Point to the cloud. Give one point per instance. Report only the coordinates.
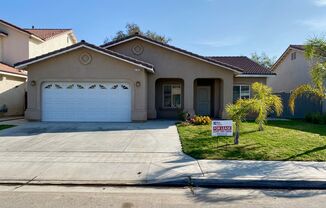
(315, 24)
(223, 42)
(320, 3)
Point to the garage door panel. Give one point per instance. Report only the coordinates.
(70, 101)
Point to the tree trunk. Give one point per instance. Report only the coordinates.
(261, 128)
(237, 134)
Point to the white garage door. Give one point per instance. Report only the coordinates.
(86, 101)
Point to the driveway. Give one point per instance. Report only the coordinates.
(63, 153)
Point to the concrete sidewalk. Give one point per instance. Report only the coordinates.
(263, 174)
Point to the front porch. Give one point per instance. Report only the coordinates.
(204, 96)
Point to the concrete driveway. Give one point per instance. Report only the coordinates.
(81, 153)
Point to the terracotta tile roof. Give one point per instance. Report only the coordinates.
(46, 33)
(299, 47)
(9, 69)
(180, 50)
(150, 67)
(43, 34)
(246, 64)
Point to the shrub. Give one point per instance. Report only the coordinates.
(200, 120)
(183, 116)
(316, 118)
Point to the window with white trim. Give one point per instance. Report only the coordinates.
(293, 56)
(172, 96)
(241, 91)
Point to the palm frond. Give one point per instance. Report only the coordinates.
(305, 89)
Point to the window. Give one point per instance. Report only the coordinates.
(241, 91)
(293, 56)
(172, 96)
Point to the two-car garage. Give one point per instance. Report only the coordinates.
(86, 101)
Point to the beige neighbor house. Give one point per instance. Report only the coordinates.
(17, 44)
(293, 70)
(134, 79)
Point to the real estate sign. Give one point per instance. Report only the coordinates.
(222, 128)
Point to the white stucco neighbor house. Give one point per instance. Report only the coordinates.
(17, 44)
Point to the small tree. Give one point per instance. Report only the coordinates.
(132, 29)
(263, 59)
(264, 102)
(315, 51)
(238, 113)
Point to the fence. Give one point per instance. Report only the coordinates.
(303, 105)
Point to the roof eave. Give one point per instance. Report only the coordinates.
(24, 64)
(13, 74)
(256, 75)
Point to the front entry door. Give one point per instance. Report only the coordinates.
(204, 100)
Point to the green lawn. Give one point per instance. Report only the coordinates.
(5, 127)
(281, 140)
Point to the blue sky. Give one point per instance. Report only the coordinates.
(206, 27)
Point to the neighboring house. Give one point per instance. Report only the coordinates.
(12, 90)
(293, 70)
(134, 79)
(17, 44)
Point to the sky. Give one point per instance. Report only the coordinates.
(205, 27)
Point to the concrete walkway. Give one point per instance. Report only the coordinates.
(133, 153)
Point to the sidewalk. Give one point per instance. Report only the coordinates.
(271, 174)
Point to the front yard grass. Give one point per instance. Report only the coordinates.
(281, 140)
(2, 127)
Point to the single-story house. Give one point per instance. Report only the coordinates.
(134, 79)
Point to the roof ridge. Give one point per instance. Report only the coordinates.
(47, 28)
(240, 56)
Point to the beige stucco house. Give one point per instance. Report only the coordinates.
(134, 79)
(292, 70)
(18, 44)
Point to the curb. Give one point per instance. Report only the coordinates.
(259, 184)
(185, 181)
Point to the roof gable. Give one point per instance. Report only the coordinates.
(83, 44)
(286, 52)
(175, 49)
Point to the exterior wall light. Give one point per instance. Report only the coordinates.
(33, 83)
(138, 84)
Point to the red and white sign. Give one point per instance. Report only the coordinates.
(222, 128)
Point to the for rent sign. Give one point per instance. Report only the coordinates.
(222, 128)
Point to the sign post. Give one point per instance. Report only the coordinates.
(222, 128)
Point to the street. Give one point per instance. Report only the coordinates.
(30, 196)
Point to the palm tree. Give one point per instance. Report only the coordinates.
(315, 51)
(238, 113)
(264, 102)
